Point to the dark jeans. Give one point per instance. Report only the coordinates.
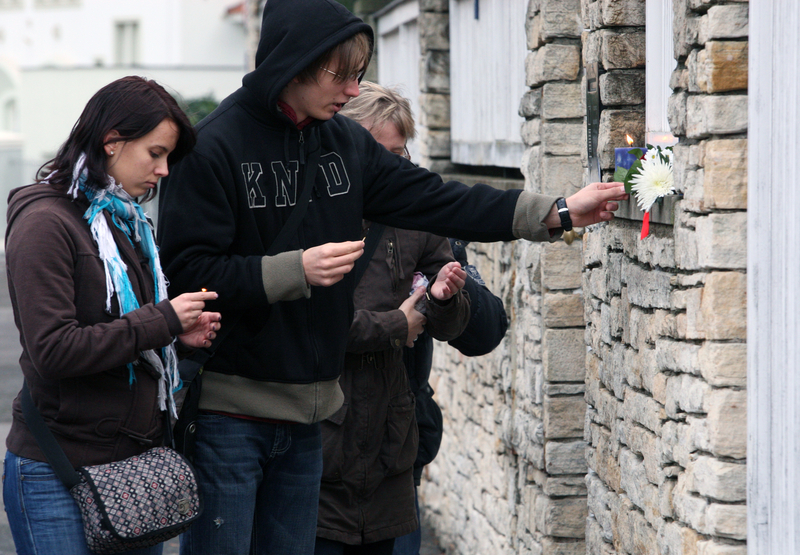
(330, 547)
(410, 544)
(260, 487)
(43, 516)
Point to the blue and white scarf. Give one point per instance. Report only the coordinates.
(129, 217)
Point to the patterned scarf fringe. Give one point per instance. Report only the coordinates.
(128, 216)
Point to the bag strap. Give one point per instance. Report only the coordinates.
(47, 442)
(370, 244)
(191, 366)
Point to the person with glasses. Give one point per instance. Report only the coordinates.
(278, 148)
(370, 444)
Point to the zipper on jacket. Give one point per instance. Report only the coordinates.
(302, 142)
(392, 264)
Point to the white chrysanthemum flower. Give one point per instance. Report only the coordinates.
(653, 182)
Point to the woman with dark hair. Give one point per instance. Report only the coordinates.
(97, 329)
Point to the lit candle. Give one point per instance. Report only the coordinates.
(623, 157)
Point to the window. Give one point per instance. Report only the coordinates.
(660, 64)
(126, 38)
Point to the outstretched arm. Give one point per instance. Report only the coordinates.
(592, 204)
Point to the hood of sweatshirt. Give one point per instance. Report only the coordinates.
(294, 33)
(21, 197)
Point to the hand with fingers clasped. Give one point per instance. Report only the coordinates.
(199, 327)
(327, 264)
(416, 320)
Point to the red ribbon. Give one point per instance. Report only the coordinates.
(645, 225)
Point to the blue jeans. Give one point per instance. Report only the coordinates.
(43, 516)
(260, 487)
(410, 544)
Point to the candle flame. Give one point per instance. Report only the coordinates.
(629, 139)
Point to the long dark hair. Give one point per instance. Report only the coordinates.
(132, 106)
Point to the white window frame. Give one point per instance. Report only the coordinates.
(660, 65)
(399, 66)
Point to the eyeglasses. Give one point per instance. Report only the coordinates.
(406, 154)
(351, 77)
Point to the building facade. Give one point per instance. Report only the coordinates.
(613, 419)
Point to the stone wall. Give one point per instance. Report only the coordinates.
(612, 417)
(510, 477)
(666, 322)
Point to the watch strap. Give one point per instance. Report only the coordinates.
(563, 214)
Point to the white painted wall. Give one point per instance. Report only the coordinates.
(773, 274)
(487, 80)
(81, 33)
(399, 56)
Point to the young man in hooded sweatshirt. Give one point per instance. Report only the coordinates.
(275, 376)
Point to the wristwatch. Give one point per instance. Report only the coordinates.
(563, 213)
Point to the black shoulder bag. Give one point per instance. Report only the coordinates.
(130, 504)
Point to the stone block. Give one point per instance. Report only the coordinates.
(434, 31)
(563, 100)
(676, 116)
(622, 13)
(560, 310)
(561, 266)
(565, 457)
(725, 174)
(435, 71)
(563, 355)
(726, 423)
(441, 6)
(676, 539)
(435, 110)
(723, 364)
(623, 50)
(722, 241)
(724, 22)
(563, 417)
(561, 18)
(725, 66)
(644, 410)
(684, 31)
(564, 518)
(723, 306)
(645, 444)
(551, 546)
(647, 288)
(531, 167)
(562, 138)
(531, 131)
(719, 480)
(533, 30)
(592, 50)
(561, 175)
(713, 547)
(715, 115)
(634, 482)
(553, 62)
(614, 125)
(685, 394)
(727, 521)
(624, 87)
(633, 534)
(677, 356)
(531, 103)
(435, 143)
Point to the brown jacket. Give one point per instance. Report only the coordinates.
(370, 444)
(74, 352)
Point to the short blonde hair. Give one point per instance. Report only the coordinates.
(375, 106)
